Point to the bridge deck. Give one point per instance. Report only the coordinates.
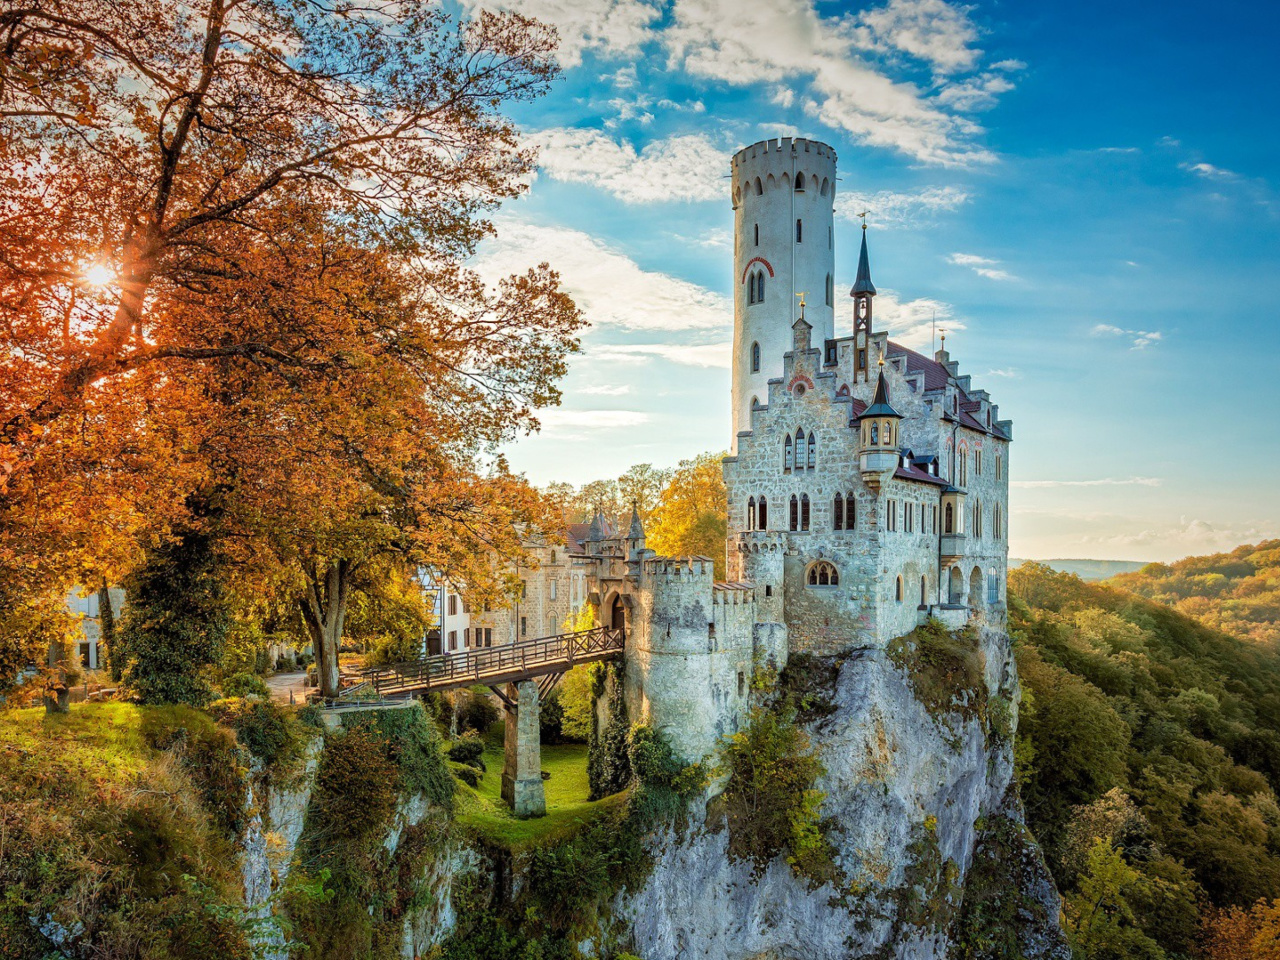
(494, 666)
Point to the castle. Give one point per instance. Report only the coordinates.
(867, 492)
(867, 484)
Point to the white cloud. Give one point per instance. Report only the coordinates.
(585, 424)
(707, 356)
(608, 27)
(1208, 171)
(1141, 339)
(1100, 482)
(915, 323)
(977, 93)
(1190, 536)
(822, 63)
(891, 208)
(929, 30)
(603, 390)
(686, 168)
(982, 266)
(1007, 373)
(611, 288)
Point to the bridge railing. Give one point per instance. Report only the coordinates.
(475, 665)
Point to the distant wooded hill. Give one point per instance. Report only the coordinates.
(1149, 756)
(1086, 569)
(1237, 592)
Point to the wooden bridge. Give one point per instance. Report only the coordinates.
(545, 659)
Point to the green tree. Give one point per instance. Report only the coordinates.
(175, 622)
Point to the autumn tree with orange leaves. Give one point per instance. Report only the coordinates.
(232, 248)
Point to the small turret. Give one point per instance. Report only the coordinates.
(879, 433)
(635, 535)
(595, 533)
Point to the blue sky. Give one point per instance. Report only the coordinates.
(1084, 194)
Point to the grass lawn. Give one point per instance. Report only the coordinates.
(568, 808)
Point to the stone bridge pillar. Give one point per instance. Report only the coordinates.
(522, 765)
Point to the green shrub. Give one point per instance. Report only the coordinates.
(476, 710)
(467, 749)
(415, 747)
(270, 732)
(467, 774)
(770, 805)
(947, 670)
(245, 685)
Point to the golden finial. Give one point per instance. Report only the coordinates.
(801, 295)
(863, 215)
(942, 332)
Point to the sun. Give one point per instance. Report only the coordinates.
(99, 275)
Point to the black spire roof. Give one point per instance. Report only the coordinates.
(880, 403)
(863, 284)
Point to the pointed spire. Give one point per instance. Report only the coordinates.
(637, 528)
(596, 532)
(880, 403)
(862, 283)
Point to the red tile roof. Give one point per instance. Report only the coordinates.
(935, 374)
(915, 473)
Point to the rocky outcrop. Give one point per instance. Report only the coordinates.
(913, 796)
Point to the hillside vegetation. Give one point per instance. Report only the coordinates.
(1237, 592)
(1149, 756)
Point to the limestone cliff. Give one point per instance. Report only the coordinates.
(926, 825)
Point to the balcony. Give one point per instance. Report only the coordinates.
(952, 545)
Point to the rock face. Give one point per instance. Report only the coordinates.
(914, 798)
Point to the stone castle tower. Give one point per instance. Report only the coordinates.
(784, 246)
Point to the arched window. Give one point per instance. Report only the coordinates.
(795, 513)
(837, 513)
(799, 231)
(751, 513)
(964, 466)
(799, 183)
(804, 511)
(755, 357)
(977, 518)
(824, 574)
(762, 513)
(813, 450)
(831, 292)
(897, 591)
(850, 512)
(875, 433)
(800, 449)
(977, 462)
(760, 287)
(759, 188)
(757, 234)
(786, 453)
(949, 520)
(751, 288)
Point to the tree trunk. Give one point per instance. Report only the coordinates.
(107, 632)
(57, 695)
(324, 608)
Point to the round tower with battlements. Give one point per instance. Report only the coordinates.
(784, 245)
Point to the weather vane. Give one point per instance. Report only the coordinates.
(801, 295)
(943, 333)
(863, 215)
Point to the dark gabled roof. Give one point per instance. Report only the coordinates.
(862, 283)
(637, 528)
